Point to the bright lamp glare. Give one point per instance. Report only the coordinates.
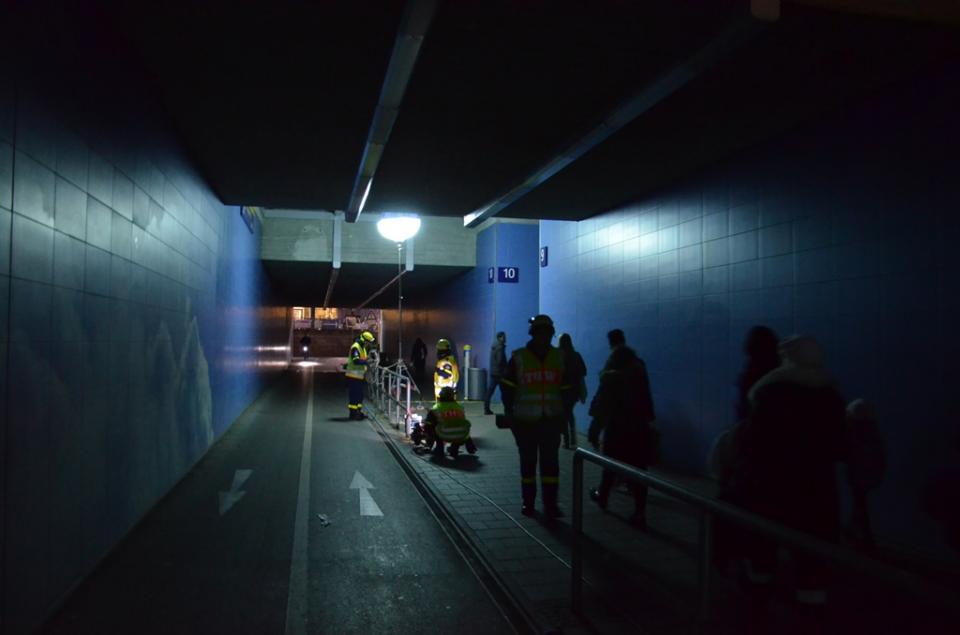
(398, 227)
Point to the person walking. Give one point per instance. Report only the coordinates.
(788, 450)
(533, 387)
(577, 372)
(498, 365)
(623, 411)
(761, 356)
(418, 357)
(356, 372)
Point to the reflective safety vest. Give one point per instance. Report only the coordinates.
(452, 425)
(538, 385)
(446, 374)
(355, 370)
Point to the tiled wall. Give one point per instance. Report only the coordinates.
(516, 303)
(846, 230)
(470, 310)
(131, 308)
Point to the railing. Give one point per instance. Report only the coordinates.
(711, 508)
(393, 389)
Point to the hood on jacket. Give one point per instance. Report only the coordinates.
(802, 363)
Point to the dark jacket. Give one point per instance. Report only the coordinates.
(788, 448)
(760, 348)
(623, 409)
(498, 358)
(576, 372)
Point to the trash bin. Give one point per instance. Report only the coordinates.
(476, 384)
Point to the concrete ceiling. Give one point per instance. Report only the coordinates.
(305, 283)
(275, 99)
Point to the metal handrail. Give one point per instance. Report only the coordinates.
(710, 508)
(399, 392)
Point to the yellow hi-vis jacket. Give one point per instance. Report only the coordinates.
(538, 385)
(357, 361)
(452, 424)
(446, 374)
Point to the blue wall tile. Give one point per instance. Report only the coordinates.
(865, 263)
(99, 430)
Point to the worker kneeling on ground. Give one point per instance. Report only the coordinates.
(356, 370)
(447, 423)
(447, 374)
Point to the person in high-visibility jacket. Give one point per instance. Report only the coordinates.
(447, 374)
(447, 423)
(533, 388)
(356, 371)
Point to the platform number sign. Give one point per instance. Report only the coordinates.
(508, 274)
(544, 256)
(490, 275)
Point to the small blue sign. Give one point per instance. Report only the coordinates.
(543, 256)
(490, 275)
(508, 274)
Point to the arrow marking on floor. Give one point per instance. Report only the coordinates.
(368, 506)
(229, 499)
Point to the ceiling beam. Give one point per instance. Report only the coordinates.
(740, 31)
(413, 28)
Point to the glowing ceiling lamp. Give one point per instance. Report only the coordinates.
(398, 227)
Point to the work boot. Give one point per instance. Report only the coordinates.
(453, 451)
(471, 446)
(360, 415)
(528, 510)
(487, 411)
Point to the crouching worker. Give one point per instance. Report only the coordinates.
(447, 423)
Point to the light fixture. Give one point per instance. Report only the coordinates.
(398, 227)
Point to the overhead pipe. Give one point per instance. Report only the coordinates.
(413, 28)
(373, 297)
(740, 31)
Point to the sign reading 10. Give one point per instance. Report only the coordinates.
(504, 274)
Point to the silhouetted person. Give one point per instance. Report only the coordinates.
(788, 448)
(615, 339)
(498, 366)
(418, 357)
(865, 467)
(760, 348)
(576, 371)
(623, 410)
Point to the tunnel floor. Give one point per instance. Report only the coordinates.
(222, 552)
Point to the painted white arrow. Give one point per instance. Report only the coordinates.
(368, 506)
(229, 499)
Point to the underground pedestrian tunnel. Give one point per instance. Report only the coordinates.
(195, 204)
